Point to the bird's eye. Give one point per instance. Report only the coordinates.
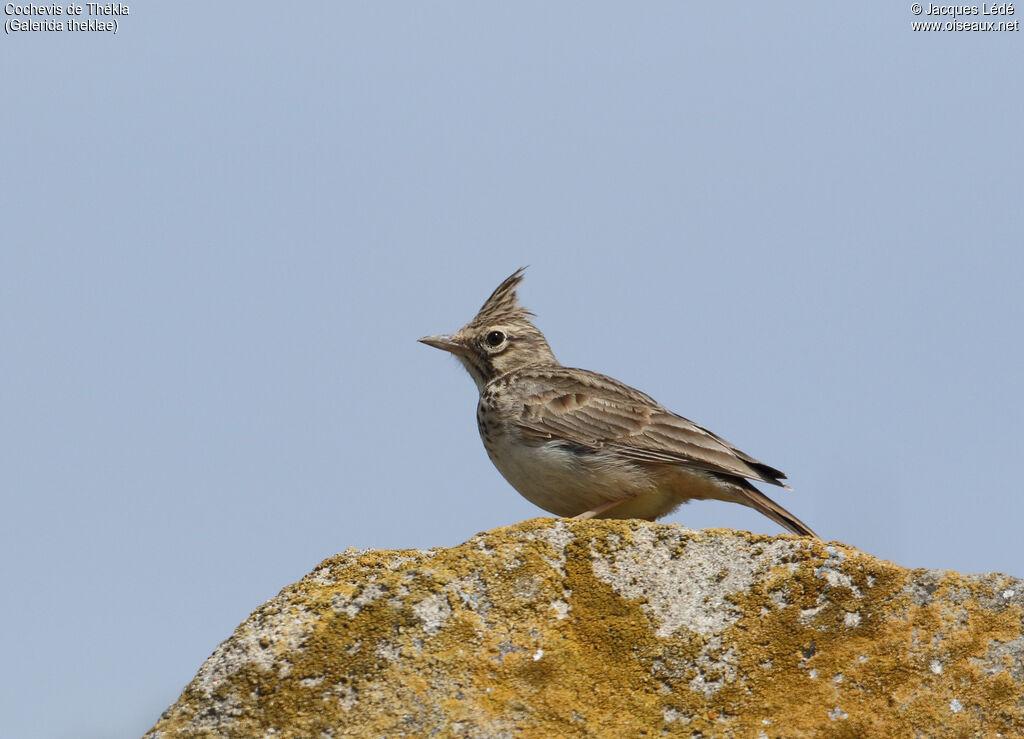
(495, 338)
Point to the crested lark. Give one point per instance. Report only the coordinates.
(577, 443)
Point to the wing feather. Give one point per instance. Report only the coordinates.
(591, 410)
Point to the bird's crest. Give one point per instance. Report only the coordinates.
(503, 305)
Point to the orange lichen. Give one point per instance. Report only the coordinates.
(527, 631)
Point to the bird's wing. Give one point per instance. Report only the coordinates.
(596, 412)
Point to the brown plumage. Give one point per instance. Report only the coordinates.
(578, 443)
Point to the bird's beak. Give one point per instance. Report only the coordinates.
(446, 342)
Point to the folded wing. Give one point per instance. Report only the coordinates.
(594, 411)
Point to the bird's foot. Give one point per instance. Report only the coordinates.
(594, 512)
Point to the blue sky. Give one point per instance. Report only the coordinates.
(226, 226)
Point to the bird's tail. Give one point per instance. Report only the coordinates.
(754, 498)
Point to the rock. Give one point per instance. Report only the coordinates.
(618, 628)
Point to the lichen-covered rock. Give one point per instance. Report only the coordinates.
(618, 628)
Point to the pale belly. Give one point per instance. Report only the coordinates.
(567, 483)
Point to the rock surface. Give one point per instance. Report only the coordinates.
(618, 628)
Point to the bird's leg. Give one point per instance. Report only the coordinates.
(594, 512)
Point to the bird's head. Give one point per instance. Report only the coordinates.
(499, 339)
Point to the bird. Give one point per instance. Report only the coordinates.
(583, 445)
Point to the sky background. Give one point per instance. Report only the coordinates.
(225, 227)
